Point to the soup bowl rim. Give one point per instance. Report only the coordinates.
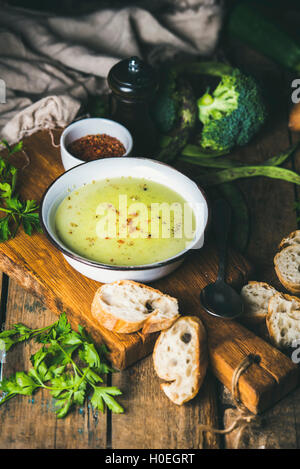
(92, 263)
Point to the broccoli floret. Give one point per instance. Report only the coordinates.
(164, 109)
(164, 112)
(233, 113)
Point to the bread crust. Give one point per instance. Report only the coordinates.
(290, 286)
(260, 318)
(154, 323)
(284, 296)
(150, 324)
(286, 241)
(201, 354)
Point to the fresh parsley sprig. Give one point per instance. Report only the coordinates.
(17, 212)
(68, 364)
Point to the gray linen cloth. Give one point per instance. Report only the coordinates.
(50, 64)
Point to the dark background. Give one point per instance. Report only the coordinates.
(277, 7)
(286, 12)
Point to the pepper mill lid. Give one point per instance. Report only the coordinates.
(133, 79)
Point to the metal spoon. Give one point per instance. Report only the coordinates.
(219, 299)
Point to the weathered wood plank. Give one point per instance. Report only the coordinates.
(270, 201)
(153, 421)
(267, 205)
(271, 204)
(270, 432)
(37, 265)
(293, 401)
(29, 422)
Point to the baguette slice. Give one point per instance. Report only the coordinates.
(287, 267)
(283, 320)
(180, 356)
(293, 239)
(126, 306)
(256, 296)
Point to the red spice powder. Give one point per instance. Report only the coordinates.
(93, 147)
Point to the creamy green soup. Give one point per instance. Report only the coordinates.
(125, 221)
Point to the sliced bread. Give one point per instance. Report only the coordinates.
(287, 267)
(126, 306)
(283, 320)
(256, 296)
(291, 240)
(180, 357)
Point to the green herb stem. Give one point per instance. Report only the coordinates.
(197, 151)
(69, 388)
(75, 367)
(277, 160)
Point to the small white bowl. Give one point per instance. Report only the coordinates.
(115, 168)
(91, 126)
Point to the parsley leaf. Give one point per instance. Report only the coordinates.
(90, 355)
(64, 405)
(57, 366)
(63, 326)
(105, 394)
(14, 149)
(4, 228)
(17, 212)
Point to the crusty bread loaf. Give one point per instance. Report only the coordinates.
(126, 306)
(283, 320)
(180, 357)
(291, 240)
(256, 296)
(287, 267)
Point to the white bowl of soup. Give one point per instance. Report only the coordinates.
(124, 218)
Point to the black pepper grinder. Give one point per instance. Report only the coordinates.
(133, 84)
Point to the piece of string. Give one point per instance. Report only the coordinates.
(52, 139)
(59, 127)
(245, 417)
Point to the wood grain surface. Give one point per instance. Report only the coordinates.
(273, 217)
(29, 421)
(36, 264)
(150, 419)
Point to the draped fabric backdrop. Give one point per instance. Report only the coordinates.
(50, 64)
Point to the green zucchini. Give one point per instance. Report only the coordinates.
(248, 24)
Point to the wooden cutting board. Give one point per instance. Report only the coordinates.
(40, 268)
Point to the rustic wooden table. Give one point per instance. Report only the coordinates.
(150, 420)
